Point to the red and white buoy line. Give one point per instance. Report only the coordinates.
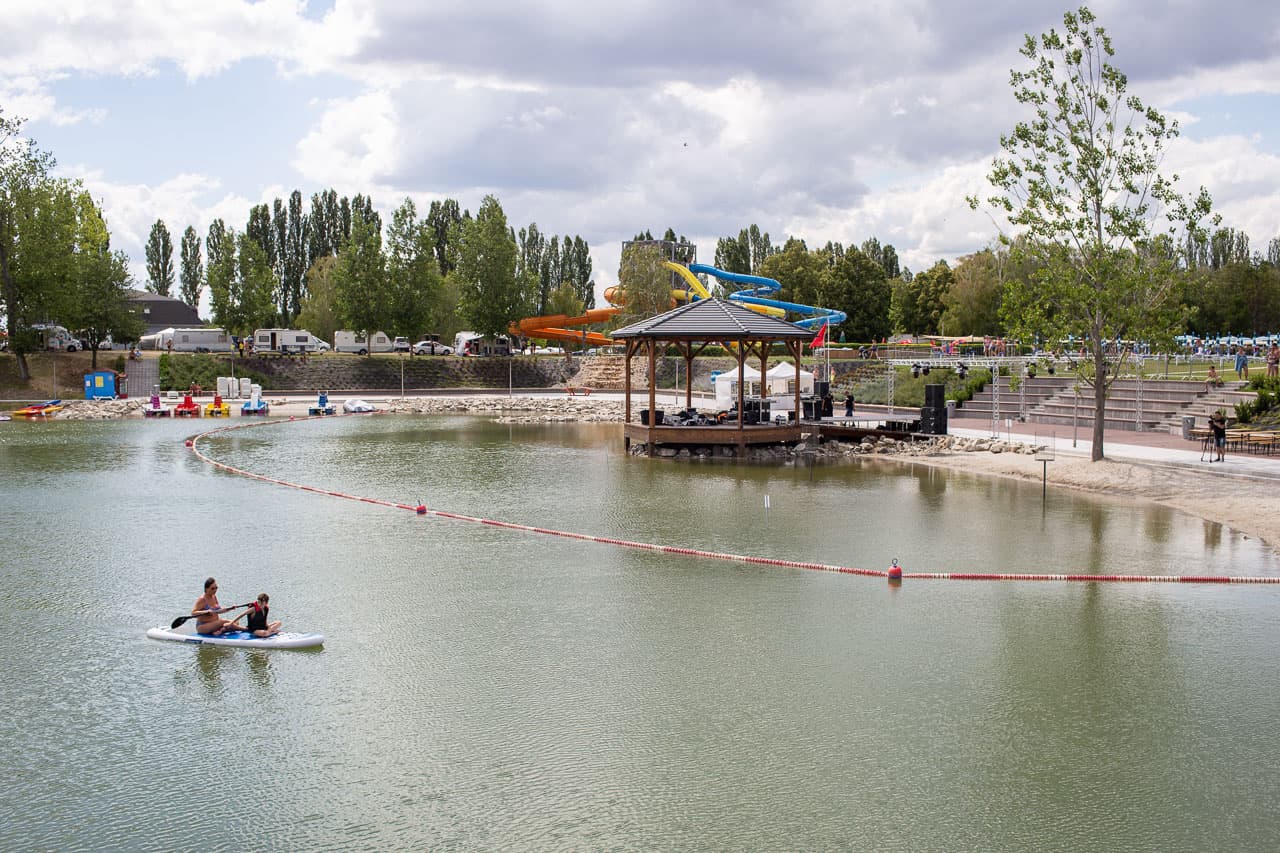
(893, 573)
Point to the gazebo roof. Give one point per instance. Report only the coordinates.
(714, 320)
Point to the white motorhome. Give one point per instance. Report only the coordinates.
(471, 343)
(360, 344)
(56, 337)
(286, 341)
(189, 340)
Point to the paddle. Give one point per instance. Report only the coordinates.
(181, 619)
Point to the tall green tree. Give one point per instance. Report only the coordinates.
(443, 220)
(531, 249)
(220, 271)
(37, 239)
(973, 302)
(644, 280)
(412, 274)
(319, 312)
(294, 261)
(801, 273)
(160, 260)
(254, 287)
(575, 263)
(192, 274)
(744, 253)
(1080, 178)
(489, 292)
(917, 305)
(364, 298)
(857, 286)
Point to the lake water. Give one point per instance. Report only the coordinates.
(483, 688)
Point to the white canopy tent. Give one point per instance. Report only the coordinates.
(780, 385)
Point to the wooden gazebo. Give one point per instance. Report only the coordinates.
(691, 329)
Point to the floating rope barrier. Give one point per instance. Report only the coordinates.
(894, 573)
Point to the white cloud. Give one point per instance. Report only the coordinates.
(821, 120)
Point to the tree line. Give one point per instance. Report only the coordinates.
(336, 265)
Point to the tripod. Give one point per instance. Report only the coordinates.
(1206, 447)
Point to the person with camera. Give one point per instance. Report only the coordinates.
(1218, 429)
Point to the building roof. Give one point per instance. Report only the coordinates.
(161, 312)
(714, 320)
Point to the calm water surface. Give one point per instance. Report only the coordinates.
(490, 689)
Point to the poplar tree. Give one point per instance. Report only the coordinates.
(160, 260)
(489, 293)
(192, 274)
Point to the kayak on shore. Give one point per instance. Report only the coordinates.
(241, 639)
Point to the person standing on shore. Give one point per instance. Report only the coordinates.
(1273, 361)
(1242, 363)
(1218, 427)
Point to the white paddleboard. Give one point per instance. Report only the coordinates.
(242, 639)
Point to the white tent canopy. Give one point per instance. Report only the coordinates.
(780, 378)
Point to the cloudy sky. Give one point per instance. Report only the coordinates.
(825, 119)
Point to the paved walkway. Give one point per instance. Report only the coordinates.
(1158, 448)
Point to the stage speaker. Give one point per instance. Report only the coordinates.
(821, 388)
(934, 397)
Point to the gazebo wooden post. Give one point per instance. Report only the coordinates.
(795, 354)
(626, 401)
(764, 371)
(742, 363)
(653, 390)
(688, 375)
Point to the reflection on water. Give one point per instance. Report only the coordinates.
(486, 688)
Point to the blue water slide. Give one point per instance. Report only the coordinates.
(760, 291)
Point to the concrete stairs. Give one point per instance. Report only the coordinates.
(1157, 405)
(609, 373)
(1206, 404)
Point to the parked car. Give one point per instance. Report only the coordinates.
(432, 348)
(400, 345)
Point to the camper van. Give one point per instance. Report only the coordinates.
(286, 341)
(471, 343)
(359, 344)
(56, 337)
(189, 340)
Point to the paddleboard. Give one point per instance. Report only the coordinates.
(243, 639)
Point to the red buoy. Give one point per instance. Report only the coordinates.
(895, 571)
(189, 442)
(422, 510)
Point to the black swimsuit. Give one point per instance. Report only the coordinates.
(257, 620)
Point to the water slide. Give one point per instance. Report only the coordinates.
(552, 327)
(760, 291)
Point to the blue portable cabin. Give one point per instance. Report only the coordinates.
(100, 385)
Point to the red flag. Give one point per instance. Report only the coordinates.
(820, 338)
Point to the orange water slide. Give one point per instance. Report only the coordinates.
(551, 327)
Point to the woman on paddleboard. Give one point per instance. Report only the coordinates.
(206, 611)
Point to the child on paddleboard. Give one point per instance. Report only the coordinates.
(259, 624)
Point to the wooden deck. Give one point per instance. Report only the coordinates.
(715, 435)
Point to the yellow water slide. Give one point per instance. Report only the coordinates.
(617, 295)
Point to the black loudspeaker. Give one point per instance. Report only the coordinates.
(934, 398)
(821, 388)
(933, 421)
